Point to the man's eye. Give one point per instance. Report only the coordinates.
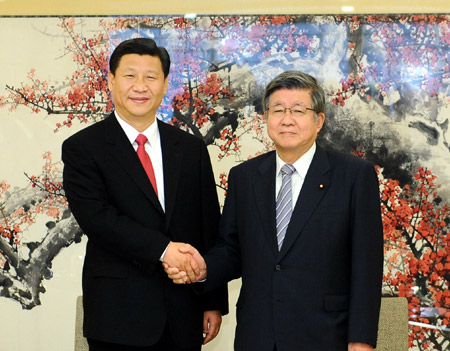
(278, 110)
(297, 112)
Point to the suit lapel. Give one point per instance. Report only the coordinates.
(314, 187)
(264, 190)
(123, 152)
(172, 156)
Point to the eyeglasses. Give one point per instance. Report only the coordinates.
(296, 111)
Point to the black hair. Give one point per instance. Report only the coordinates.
(140, 46)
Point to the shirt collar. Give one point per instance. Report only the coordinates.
(301, 165)
(152, 132)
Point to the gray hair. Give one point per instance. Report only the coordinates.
(296, 80)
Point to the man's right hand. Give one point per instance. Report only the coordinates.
(192, 271)
(183, 263)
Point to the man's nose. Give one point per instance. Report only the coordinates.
(140, 84)
(288, 118)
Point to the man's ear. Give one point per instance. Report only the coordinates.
(320, 121)
(166, 84)
(110, 81)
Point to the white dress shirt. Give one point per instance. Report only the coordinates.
(301, 168)
(153, 148)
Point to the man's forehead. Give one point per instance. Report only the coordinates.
(128, 59)
(298, 94)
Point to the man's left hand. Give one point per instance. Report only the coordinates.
(211, 325)
(359, 346)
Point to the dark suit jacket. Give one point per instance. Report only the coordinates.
(322, 290)
(127, 297)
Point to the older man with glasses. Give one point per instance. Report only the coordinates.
(302, 227)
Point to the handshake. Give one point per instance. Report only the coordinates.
(183, 263)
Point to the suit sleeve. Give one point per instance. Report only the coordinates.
(367, 257)
(217, 299)
(224, 259)
(89, 200)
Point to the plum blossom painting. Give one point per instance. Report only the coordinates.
(387, 80)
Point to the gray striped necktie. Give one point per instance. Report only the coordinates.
(284, 203)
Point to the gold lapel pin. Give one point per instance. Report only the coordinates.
(321, 186)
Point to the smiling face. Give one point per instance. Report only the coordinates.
(293, 136)
(138, 87)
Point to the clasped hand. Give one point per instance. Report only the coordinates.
(183, 263)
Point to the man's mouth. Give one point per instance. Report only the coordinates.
(139, 100)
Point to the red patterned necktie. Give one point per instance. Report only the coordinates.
(145, 160)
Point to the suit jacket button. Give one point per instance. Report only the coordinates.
(278, 267)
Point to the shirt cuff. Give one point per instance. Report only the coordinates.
(163, 254)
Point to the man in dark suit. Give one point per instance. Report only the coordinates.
(138, 209)
(302, 227)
